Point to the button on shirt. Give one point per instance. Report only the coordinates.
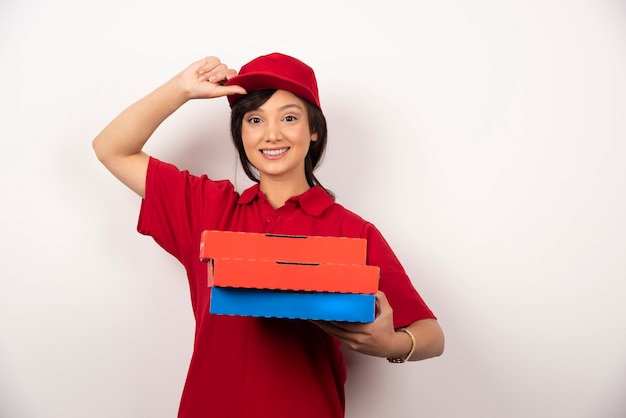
(260, 367)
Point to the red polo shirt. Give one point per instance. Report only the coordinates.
(260, 367)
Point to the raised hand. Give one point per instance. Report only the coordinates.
(206, 78)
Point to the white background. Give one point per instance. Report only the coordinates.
(485, 139)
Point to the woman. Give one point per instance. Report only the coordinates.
(262, 367)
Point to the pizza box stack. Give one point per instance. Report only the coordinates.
(288, 276)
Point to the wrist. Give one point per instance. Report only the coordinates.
(178, 89)
(402, 358)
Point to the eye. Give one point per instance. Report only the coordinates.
(290, 118)
(254, 120)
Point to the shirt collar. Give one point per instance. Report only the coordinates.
(314, 201)
(249, 194)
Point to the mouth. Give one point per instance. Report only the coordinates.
(274, 152)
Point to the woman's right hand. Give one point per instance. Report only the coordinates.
(205, 79)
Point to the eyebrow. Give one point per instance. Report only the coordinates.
(287, 106)
(284, 107)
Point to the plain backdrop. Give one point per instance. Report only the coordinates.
(485, 139)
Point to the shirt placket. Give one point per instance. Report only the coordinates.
(274, 217)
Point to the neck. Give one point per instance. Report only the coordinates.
(278, 192)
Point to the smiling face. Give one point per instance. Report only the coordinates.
(276, 138)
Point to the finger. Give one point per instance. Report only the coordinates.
(215, 71)
(382, 303)
(214, 74)
(222, 76)
(229, 90)
(347, 326)
(325, 325)
(208, 64)
(332, 328)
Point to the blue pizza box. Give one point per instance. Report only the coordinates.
(322, 306)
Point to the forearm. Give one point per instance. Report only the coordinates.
(429, 341)
(119, 145)
(127, 134)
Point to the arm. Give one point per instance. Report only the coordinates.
(119, 145)
(379, 338)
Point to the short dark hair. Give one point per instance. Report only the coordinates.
(317, 124)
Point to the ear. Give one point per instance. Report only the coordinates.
(314, 137)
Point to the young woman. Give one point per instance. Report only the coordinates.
(262, 367)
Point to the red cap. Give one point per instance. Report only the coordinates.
(277, 71)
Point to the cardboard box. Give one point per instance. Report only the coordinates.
(285, 276)
(285, 248)
(341, 278)
(295, 305)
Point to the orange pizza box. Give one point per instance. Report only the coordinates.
(263, 274)
(282, 248)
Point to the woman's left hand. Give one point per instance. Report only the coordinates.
(374, 338)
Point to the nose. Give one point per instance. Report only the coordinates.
(273, 132)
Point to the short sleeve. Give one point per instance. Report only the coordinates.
(408, 306)
(177, 206)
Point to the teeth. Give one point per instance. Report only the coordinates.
(274, 151)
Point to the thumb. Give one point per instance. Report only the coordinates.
(229, 90)
(382, 304)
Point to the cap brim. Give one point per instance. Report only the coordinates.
(261, 81)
